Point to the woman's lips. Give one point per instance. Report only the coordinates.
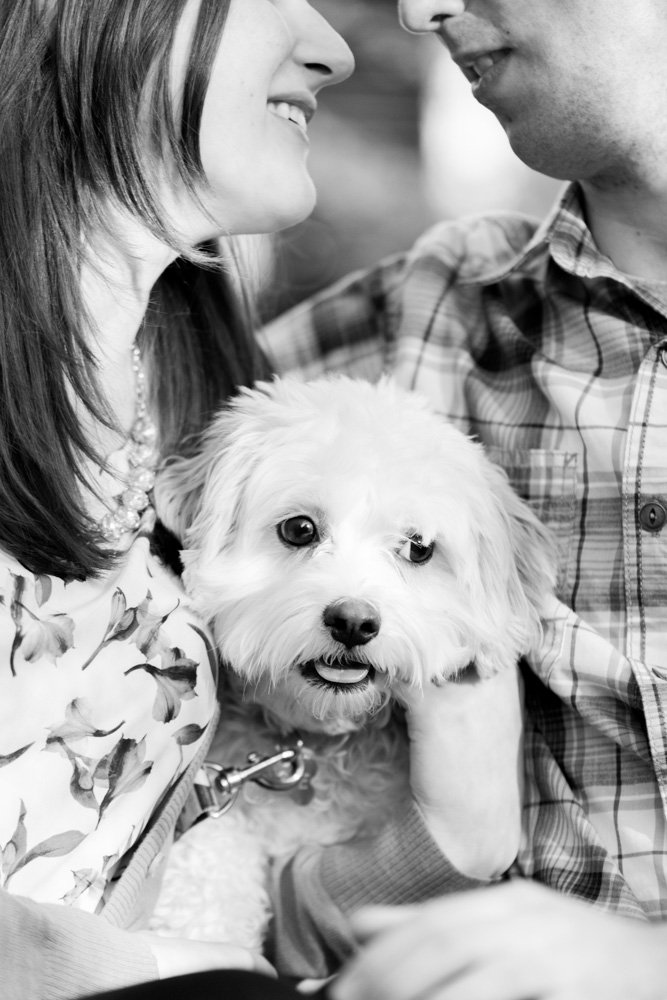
(297, 108)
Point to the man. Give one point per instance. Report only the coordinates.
(550, 344)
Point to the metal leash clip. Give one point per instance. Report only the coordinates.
(289, 769)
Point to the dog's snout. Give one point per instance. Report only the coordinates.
(352, 622)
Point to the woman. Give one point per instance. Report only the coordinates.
(134, 133)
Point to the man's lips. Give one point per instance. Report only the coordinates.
(475, 65)
(339, 673)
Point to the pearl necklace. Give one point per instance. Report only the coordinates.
(143, 458)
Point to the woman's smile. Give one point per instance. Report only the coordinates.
(274, 57)
(297, 109)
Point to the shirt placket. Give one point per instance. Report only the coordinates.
(645, 513)
(645, 550)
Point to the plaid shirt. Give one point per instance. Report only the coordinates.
(530, 339)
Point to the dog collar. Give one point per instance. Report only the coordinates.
(216, 787)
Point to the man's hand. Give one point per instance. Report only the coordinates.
(466, 768)
(179, 956)
(518, 941)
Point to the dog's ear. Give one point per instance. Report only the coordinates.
(516, 573)
(197, 497)
(177, 492)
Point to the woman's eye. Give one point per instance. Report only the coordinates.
(414, 550)
(298, 531)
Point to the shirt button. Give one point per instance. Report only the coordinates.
(652, 516)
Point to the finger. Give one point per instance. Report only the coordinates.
(373, 920)
(406, 962)
(199, 956)
(492, 982)
(227, 956)
(263, 966)
(438, 943)
(431, 970)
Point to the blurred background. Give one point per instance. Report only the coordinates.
(399, 146)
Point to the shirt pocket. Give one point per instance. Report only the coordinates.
(547, 481)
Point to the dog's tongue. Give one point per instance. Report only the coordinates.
(341, 675)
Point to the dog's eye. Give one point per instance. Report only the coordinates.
(298, 531)
(414, 550)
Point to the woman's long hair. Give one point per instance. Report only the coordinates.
(81, 84)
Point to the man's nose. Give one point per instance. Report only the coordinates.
(428, 15)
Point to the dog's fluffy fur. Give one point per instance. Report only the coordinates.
(380, 478)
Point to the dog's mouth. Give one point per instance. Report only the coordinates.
(343, 675)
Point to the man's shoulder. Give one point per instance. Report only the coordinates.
(475, 248)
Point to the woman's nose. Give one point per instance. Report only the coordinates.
(428, 15)
(323, 51)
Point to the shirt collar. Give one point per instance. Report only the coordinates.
(563, 235)
(565, 238)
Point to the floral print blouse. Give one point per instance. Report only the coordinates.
(106, 690)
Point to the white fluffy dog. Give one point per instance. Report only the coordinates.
(344, 542)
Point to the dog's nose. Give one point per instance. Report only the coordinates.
(352, 622)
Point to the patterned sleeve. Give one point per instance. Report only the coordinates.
(49, 951)
(349, 327)
(52, 952)
(98, 679)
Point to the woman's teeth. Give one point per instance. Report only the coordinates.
(290, 112)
